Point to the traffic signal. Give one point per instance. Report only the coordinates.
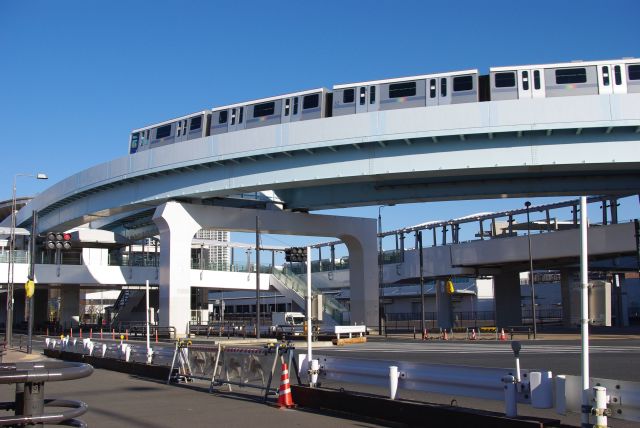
(58, 241)
(449, 287)
(295, 254)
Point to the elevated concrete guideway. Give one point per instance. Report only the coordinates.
(533, 147)
(536, 147)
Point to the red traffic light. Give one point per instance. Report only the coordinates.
(58, 241)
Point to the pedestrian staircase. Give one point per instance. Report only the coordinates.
(292, 287)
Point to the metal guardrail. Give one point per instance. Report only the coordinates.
(30, 403)
(621, 399)
(478, 382)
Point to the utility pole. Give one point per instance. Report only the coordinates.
(422, 329)
(531, 282)
(32, 276)
(257, 280)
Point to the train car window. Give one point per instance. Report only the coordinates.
(404, 89)
(571, 75)
(163, 131)
(605, 75)
(287, 106)
(363, 95)
(432, 88)
(134, 140)
(295, 105)
(264, 109)
(222, 118)
(536, 79)
(634, 72)
(372, 94)
(196, 123)
(233, 116)
(148, 130)
(525, 80)
(241, 115)
(348, 95)
(443, 87)
(617, 75)
(310, 101)
(462, 83)
(505, 80)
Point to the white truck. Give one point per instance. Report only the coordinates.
(288, 323)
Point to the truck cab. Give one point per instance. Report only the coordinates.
(288, 323)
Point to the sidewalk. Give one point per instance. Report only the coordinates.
(16, 356)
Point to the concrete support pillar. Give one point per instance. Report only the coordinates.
(444, 305)
(177, 228)
(40, 307)
(19, 312)
(69, 305)
(363, 277)
(567, 277)
(506, 288)
(178, 223)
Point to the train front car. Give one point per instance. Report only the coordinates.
(269, 111)
(183, 128)
(406, 92)
(565, 79)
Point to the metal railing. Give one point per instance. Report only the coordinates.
(330, 305)
(30, 403)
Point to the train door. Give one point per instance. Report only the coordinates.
(612, 79)
(236, 119)
(362, 99)
(287, 109)
(367, 99)
(181, 130)
(530, 83)
(295, 109)
(444, 90)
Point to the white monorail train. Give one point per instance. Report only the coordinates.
(466, 86)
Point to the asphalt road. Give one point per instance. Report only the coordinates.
(610, 359)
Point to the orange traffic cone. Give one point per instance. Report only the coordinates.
(445, 336)
(502, 335)
(473, 334)
(284, 394)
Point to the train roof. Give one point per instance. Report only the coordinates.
(170, 121)
(568, 64)
(264, 100)
(405, 79)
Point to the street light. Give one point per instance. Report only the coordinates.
(531, 283)
(12, 246)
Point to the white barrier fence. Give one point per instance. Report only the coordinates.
(117, 350)
(350, 330)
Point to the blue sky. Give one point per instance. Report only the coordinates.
(77, 76)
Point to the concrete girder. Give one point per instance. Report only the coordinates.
(179, 222)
